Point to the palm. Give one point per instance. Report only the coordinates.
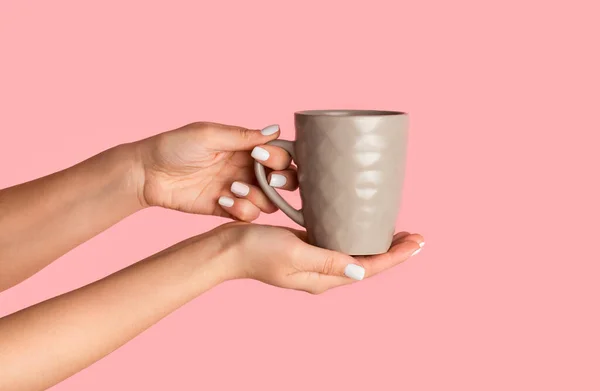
(289, 261)
(188, 170)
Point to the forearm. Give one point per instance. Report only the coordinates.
(45, 218)
(46, 343)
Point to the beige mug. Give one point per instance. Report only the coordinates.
(350, 172)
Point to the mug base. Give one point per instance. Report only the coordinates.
(365, 253)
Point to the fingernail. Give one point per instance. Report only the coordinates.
(239, 189)
(277, 180)
(269, 130)
(354, 271)
(416, 251)
(421, 244)
(259, 153)
(226, 201)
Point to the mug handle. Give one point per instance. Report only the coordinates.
(271, 193)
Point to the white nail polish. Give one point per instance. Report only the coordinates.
(355, 272)
(421, 244)
(277, 180)
(269, 130)
(416, 252)
(226, 201)
(259, 153)
(240, 189)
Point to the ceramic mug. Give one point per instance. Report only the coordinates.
(350, 172)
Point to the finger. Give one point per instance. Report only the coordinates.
(273, 157)
(317, 283)
(378, 263)
(329, 263)
(235, 138)
(329, 269)
(286, 179)
(239, 208)
(399, 236)
(414, 237)
(397, 254)
(254, 195)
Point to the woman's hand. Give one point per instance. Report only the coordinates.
(281, 257)
(71, 331)
(189, 168)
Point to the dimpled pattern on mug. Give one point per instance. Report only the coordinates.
(349, 163)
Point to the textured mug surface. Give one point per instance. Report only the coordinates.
(351, 171)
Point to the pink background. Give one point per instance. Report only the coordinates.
(502, 180)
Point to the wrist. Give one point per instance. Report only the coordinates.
(207, 259)
(131, 155)
(230, 238)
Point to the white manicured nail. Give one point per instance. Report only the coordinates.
(240, 189)
(416, 252)
(277, 180)
(269, 130)
(226, 201)
(421, 244)
(355, 272)
(259, 153)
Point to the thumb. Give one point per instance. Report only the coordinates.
(333, 263)
(242, 139)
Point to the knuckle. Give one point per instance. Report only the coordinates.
(414, 238)
(297, 254)
(243, 215)
(200, 126)
(246, 134)
(328, 265)
(205, 130)
(270, 208)
(246, 215)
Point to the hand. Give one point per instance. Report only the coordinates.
(187, 169)
(281, 257)
(249, 200)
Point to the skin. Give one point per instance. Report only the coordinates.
(186, 169)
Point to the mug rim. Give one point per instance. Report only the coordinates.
(349, 113)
